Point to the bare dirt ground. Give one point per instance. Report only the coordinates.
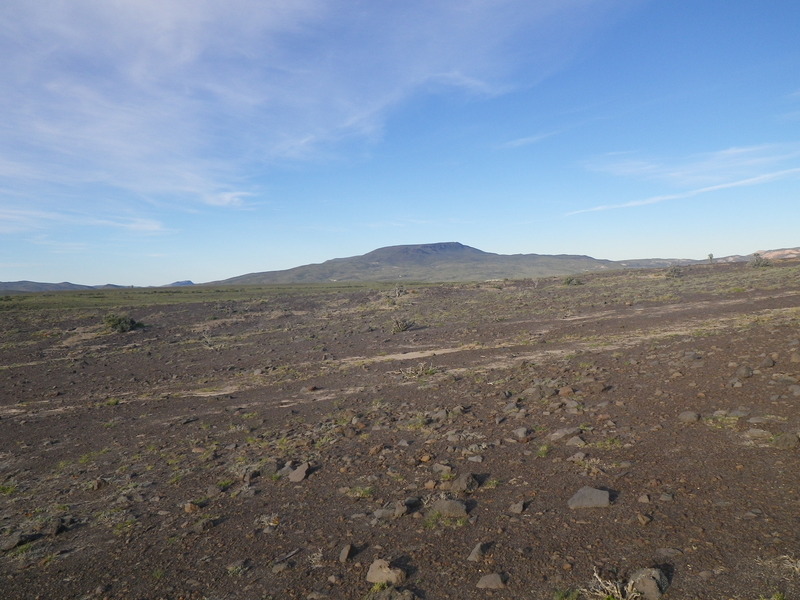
(274, 445)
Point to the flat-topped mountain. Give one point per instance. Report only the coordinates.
(443, 261)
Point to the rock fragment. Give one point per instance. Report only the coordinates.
(757, 434)
(381, 572)
(562, 433)
(478, 552)
(492, 581)
(688, 416)
(203, 525)
(786, 441)
(650, 583)
(452, 509)
(588, 497)
(10, 542)
(53, 526)
(520, 433)
(344, 554)
(300, 473)
(403, 507)
(464, 484)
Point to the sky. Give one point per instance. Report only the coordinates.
(144, 142)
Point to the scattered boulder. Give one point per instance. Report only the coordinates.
(98, 484)
(577, 441)
(464, 484)
(191, 507)
(588, 497)
(650, 583)
(757, 434)
(10, 542)
(668, 553)
(249, 474)
(381, 572)
(453, 509)
(345, 553)
(492, 581)
(562, 433)
(403, 507)
(203, 525)
(300, 473)
(442, 469)
(577, 457)
(53, 526)
(478, 552)
(518, 507)
(786, 441)
(384, 513)
(688, 416)
(520, 433)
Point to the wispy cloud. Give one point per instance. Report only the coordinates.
(187, 99)
(59, 246)
(764, 178)
(228, 199)
(15, 220)
(705, 169)
(396, 223)
(526, 141)
(132, 224)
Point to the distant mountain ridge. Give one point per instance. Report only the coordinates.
(65, 286)
(452, 262)
(437, 262)
(35, 286)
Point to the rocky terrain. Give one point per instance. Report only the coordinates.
(631, 434)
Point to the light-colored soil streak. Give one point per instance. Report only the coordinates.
(501, 354)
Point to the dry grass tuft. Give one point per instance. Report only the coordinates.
(606, 589)
(787, 565)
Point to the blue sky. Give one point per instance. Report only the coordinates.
(148, 141)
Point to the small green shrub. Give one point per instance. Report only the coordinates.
(674, 272)
(7, 490)
(120, 323)
(401, 325)
(361, 492)
(572, 281)
(759, 261)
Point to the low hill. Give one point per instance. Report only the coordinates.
(35, 286)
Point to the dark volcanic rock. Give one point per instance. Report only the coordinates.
(588, 497)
